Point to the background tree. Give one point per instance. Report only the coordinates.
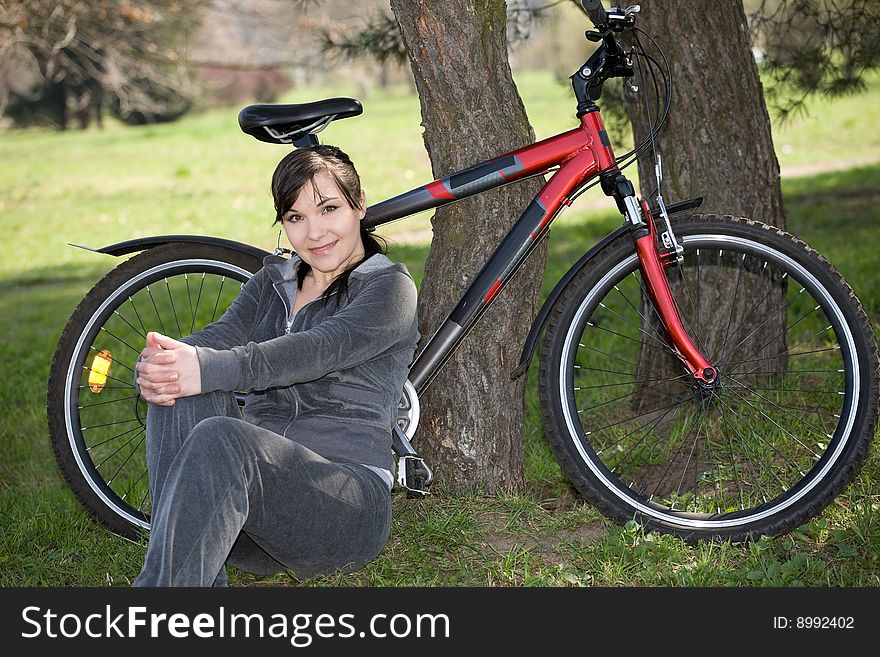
(471, 110)
(811, 47)
(131, 54)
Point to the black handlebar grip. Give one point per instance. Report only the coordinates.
(595, 11)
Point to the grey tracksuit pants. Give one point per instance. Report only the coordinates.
(227, 491)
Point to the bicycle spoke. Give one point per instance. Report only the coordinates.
(132, 486)
(748, 449)
(699, 310)
(109, 401)
(158, 314)
(596, 369)
(788, 349)
(778, 335)
(109, 424)
(800, 353)
(217, 302)
(736, 475)
(118, 435)
(138, 315)
(189, 299)
(115, 361)
(812, 392)
(629, 419)
(785, 410)
(632, 449)
(651, 454)
(666, 471)
(641, 426)
(645, 321)
(785, 431)
(118, 449)
(120, 316)
(599, 351)
(82, 387)
(584, 410)
(759, 305)
(173, 309)
(626, 383)
(758, 435)
(735, 295)
(115, 337)
(694, 446)
(127, 459)
(662, 348)
(144, 498)
(192, 327)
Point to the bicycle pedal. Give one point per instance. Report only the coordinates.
(414, 476)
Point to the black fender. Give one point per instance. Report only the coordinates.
(532, 339)
(144, 243)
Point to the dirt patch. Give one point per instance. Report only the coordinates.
(549, 548)
(557, 501)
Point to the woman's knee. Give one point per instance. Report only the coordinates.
(216, 437)
(211, 431)
(190, 410)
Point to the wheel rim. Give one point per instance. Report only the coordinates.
(659, 460)
(106, 423)
(408, 410)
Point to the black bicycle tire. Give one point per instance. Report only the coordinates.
(830, 486)
(56, 401)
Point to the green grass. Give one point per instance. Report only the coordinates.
(203, 176)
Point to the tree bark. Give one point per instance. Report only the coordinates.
(717, 144)
(471, 428)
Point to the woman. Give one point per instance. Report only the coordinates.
(323, 340)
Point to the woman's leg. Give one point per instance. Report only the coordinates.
(270, 502)
(167, 429)
(169, 426)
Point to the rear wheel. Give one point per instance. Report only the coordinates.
(779, 436)
(96, 417)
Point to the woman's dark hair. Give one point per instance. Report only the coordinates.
(299, 168)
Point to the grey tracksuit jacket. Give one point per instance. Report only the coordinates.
(332, 381)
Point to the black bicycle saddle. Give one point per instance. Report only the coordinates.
(282, 124)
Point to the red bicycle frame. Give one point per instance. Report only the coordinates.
(581, 154)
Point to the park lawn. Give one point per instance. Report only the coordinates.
(203, 176)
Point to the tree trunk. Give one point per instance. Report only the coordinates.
(471, 428)
(717, 144)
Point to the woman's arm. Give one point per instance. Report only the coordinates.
(377, 319)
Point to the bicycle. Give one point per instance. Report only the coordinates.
(662, 399)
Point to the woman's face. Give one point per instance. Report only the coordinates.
(323, 229)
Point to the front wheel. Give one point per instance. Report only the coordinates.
(779, 435)
(96, 417)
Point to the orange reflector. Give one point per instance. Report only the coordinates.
(98, 371)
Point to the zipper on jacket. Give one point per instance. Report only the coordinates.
(289, 325)
(291, 389)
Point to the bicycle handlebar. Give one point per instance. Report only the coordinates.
(595, 12)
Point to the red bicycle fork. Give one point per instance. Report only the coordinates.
(652, 263)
